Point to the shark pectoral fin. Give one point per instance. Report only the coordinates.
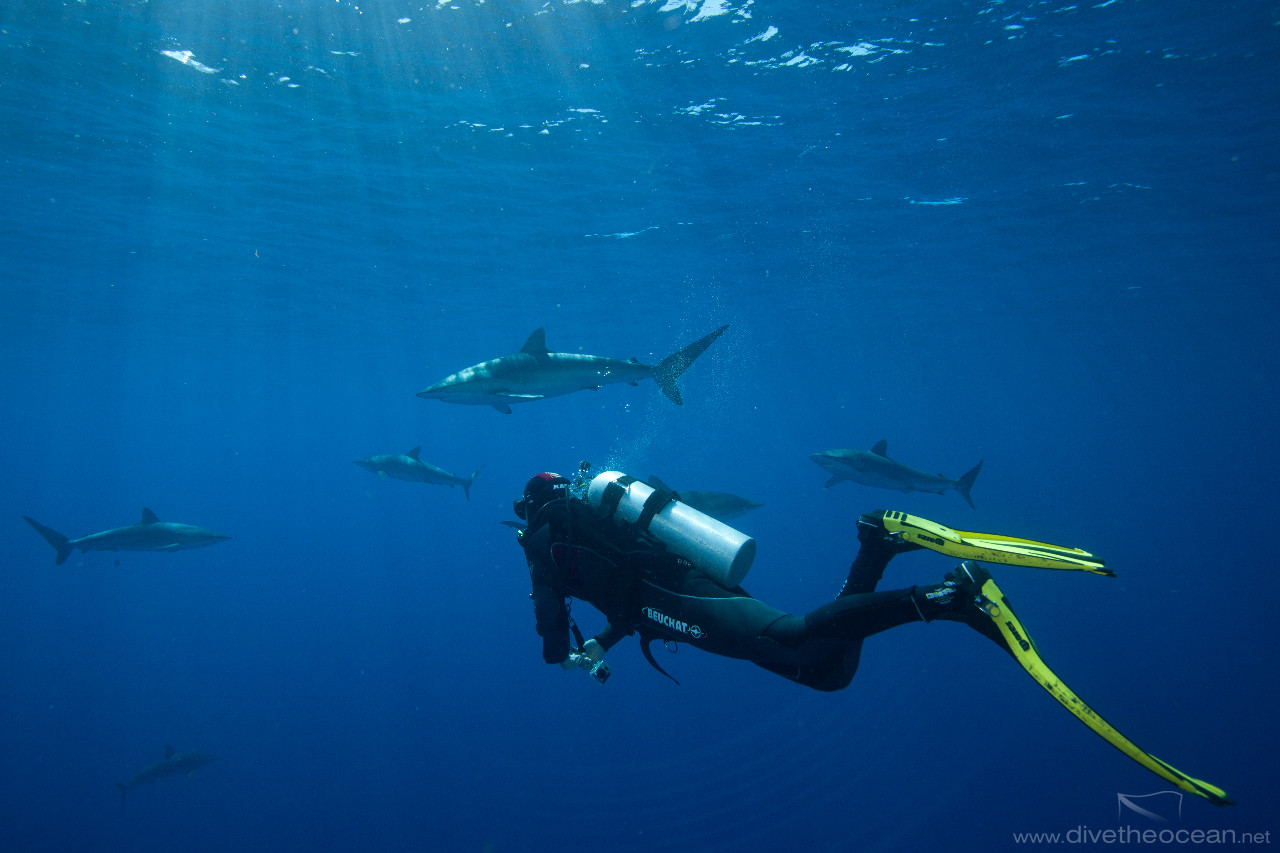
(382, 475)
(835, 478)
(502, 407)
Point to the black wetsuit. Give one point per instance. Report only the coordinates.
(572, 554)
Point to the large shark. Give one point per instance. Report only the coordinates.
(874, 468)
(721, 506)
(150, 534)
(173, 764)
(409, 467)
(535, 373)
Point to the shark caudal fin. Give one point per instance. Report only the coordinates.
(670, 368)
(466, 487)
(54, 538)
(965, 483)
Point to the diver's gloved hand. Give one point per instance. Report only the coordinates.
(590, 654)
(593, 650)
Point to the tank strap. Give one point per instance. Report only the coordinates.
(655, 503)
(613, 495)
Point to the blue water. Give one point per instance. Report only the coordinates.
(238, 237)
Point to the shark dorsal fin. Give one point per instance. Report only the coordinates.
(536, 346)
(881, 448)
(148, 517)
(168, 752)
(413, 454)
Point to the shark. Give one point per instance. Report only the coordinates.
(408, 466)
(172, 764)
(535, 373)
(721, 506)
(150, 534)
(874, 468)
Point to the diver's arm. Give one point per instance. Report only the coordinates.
(552, 619)
(550, 612)
(609, 637)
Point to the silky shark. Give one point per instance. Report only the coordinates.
(719, 505)
(535, 373)
(150, 534)
(173, 764)
(874, 468)
(409, 467)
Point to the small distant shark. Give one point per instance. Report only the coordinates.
(719, 505)
(536, 373)
(150, 534)
(173, 764)
(409, 467)
(874, 468)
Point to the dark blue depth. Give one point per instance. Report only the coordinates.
(238, 238)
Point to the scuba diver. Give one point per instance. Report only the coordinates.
(656, 567)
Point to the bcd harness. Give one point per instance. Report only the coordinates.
(603, 543)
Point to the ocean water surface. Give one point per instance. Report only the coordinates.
(238, 237)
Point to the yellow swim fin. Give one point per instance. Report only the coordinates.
(994, 604)
(989, 547)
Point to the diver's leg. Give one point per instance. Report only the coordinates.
(876, 549)
(958, 598)
(855, 617)
(822, 649)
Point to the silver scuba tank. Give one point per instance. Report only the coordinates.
(715, 549)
